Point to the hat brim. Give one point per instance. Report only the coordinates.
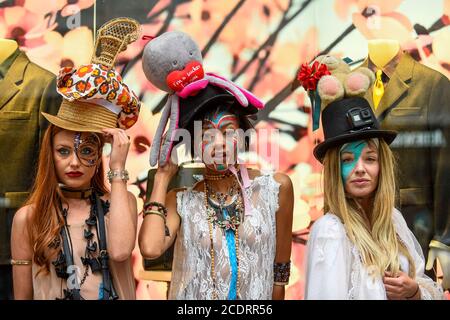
(321, 149)
(225, 97)
(70, 125)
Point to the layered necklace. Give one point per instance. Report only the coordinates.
(228, 217)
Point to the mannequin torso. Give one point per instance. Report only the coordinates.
(381, 51)
(7, 48)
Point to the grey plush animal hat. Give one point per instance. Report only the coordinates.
(173, 63)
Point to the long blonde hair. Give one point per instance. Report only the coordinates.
(377, 241)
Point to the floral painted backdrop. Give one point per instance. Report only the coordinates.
(260, 44)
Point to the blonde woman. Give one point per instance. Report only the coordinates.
(361, 248)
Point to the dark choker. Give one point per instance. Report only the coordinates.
(75, 194)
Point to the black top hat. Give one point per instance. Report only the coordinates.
(193, 105)
(348, 120)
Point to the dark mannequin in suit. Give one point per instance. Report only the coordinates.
(25, 90)
(415, 101)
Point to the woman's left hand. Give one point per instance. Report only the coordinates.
(400, 287)
(120, 143)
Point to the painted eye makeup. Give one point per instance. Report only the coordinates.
(88, 150)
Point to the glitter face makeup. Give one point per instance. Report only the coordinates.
(219, 141)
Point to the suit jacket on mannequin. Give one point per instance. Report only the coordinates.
(25, 90)
(416, 102)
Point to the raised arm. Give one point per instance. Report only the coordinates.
(122, 222)
(153, 241)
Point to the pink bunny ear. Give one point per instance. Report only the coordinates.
(192, 88)
(250, 97)
(229, 86)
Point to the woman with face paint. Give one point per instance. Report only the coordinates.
(74, 237)
(361, 248)
(232, 228)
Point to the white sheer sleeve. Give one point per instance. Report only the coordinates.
(328, 261)
(429, 289)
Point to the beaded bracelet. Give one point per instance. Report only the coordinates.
(147, 212)
(160, 206)
(281, 272)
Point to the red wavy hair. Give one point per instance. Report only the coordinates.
(47, 220)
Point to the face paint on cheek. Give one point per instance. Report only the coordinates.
(219, 121)
(206, 151)
(356, 149)
(206, 147)
(231, 144)
(87, 149)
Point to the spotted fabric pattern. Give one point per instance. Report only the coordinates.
(95, 81)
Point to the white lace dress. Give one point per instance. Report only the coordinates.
(335, 270)
(191, 271)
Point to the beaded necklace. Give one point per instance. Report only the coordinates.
(230, 222)
(218, 176)
(216, 216)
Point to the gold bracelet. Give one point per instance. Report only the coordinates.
(148, 212)
(280, 283)
(19, 262)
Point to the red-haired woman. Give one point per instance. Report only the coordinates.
(61, 222)
(73, 238)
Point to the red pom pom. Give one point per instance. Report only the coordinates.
(310, 76)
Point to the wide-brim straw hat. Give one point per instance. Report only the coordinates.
(94, 95)
(82, 116)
